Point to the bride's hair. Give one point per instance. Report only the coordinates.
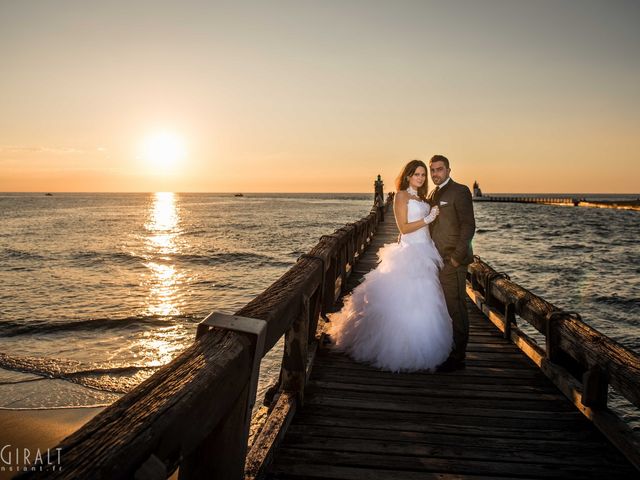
(402, 182)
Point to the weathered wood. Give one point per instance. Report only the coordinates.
(452, 420)
(528, 306)
(428, 393)
(595, 388)
(294, 361)
(168, 415)
(436, 447)
(315, 308)
(271, 435)
(499, 417)
(428, 464)
(305, 470)
(505, 429)
(581, 342)
(278, 305)
(614, 428)
(360, 402)
(222, 454)
(591, 348)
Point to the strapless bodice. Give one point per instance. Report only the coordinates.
(417, 210)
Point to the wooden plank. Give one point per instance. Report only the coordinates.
(558, 455)
(451, 438)
(271, 435)
(309, 470)
(437, 383)
(495, 375)
(422, 392)
(477, 379)
(448, 425)
(432, 407)
(473, 363)
(458, 465)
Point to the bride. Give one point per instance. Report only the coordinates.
(397, 318)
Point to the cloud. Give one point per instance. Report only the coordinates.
(28, 149)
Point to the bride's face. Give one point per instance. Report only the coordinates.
(418, 178)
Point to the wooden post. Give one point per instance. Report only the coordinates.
(294, 361)
(314, 312)
(330, 285)
(595, 388)
(551, 336)
(222, 454)
(509, 319)
(344, 260)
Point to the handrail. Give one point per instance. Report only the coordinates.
(585, 345)
(192, 412)
(579, 359)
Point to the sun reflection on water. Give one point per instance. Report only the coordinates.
(163, 228)
(162, 281)
(159, 347)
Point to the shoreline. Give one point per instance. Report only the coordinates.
(37, 430)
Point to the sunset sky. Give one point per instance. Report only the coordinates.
(301, 96)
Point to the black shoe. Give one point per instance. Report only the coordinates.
(451, 365)
(447, 366)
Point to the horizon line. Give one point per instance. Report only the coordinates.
(285, 192)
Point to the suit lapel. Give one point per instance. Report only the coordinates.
(441, 191)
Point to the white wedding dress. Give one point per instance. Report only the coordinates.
(397, 318)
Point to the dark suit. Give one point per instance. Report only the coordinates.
(452, 232)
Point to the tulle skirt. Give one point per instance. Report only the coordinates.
(397, 318)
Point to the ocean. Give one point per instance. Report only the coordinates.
(99, 290)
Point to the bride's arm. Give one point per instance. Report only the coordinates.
(400, 208)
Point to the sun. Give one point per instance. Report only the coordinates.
(163, 150)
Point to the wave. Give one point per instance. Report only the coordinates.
(13, 329)
(571, 246)
(115, 379)
(630, 303)
(89, 258)
(219, 258)
(12, 253)
(93, 258)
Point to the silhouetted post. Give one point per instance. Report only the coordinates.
(379, 197)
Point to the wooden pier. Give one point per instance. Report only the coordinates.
(499, 417)
(523, 199)
(518, 410)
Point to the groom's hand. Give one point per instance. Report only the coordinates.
(454, 263)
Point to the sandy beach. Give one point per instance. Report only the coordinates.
(37, 429)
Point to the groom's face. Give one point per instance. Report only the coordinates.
(439, 172)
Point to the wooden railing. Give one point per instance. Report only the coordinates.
(193, 413)
(580, 360)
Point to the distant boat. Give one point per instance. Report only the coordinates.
(238, 195)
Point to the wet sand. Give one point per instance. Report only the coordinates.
(37, 429)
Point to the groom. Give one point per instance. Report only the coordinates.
(452, 232)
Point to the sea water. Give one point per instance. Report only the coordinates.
(99, 290)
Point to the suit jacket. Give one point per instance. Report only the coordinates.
(454, 227)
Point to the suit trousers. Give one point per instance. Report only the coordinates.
(453, 280)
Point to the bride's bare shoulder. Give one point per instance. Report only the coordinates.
(402, 196)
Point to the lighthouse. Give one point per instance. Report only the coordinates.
(477, 193)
